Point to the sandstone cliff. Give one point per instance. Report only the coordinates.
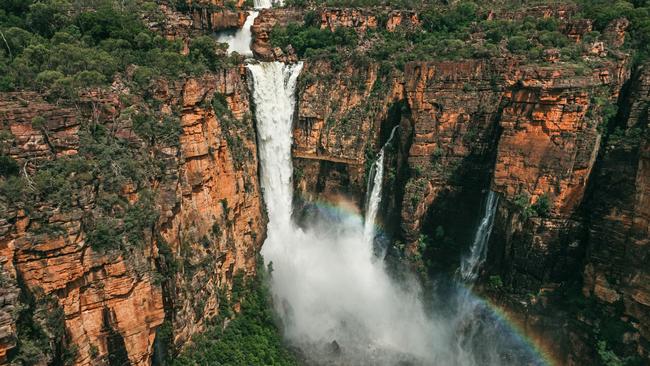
(208, 231)
(531, 132)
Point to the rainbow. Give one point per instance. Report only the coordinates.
(340, 208)
(535, 345)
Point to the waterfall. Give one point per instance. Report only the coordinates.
(240, 40)
(325, 283)
(265, 4)
(273, 86)
(373, 191)
(471, 263)
(336, 302)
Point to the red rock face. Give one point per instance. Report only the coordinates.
(117, 295)
(616, 275)
(453, 109)
(261, 30)
(550, 138)
(215, 189)
(87, 285)
(30, 143)
(360, 20)
(340, 116)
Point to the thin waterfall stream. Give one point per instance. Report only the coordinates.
(337, 303)
(470, 264)
(373, 191)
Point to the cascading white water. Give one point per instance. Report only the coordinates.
(373, 191)
(467, 315)
(471, 263)
(265, 4)
(338, 304)
(326, 285)
(240, 40)
(273, 86)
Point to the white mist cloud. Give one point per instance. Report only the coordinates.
(329, 287)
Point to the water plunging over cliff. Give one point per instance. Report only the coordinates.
(373, 192)
(326, 285)
(471, 263)
(265, 4)
(240, 40)
(337, 303)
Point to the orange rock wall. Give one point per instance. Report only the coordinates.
(119, 294)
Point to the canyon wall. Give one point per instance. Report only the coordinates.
(568, 255)
(207, 228)
(571, 225)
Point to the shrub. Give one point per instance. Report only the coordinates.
(495, 282)
(13, 189)
(517, 44)
(542, 206)
(251, 338)
(8, 166)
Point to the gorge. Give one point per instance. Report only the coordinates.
(358, 309)
(346, 183)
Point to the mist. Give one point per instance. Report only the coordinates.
(337, 303)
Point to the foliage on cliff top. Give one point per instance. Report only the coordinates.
(310, 40)
(446, 32)
(636, 11)
(60, 46)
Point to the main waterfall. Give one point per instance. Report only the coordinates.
(337, 303)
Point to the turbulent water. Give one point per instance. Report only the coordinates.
(240, 40)
(337, 303)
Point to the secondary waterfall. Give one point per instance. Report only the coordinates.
(337, 303)
(265, 4)
(373, 191)
(471, 263)
(240, 40)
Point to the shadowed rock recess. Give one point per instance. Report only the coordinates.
(441, 182)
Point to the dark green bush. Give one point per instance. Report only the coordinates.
(542, 206)
(8, 166)
(311, 40)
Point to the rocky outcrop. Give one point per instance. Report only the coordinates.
(262, 27)
(213, 219)
(547, 150)
(89, 287)
(454, 108)
(360, 20)
(341, 115)
(210, 227)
